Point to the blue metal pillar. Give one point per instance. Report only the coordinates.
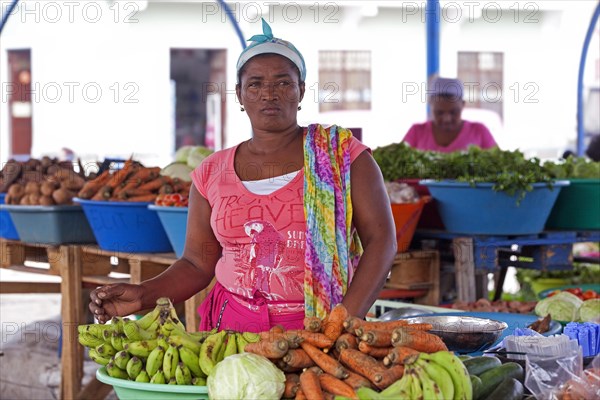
(8, 13)
(586, 45)
(432, 21)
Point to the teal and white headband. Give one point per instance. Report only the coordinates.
(265, 44)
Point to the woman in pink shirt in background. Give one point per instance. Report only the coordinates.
(447, 131)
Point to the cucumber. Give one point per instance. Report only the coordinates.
(480, 364)
(476, 384)
(491, 378)
(464, 357)
(509, 389)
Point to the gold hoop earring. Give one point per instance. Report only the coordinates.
(242, 109)
(300, 107)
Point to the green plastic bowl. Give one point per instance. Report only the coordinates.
(130, 390)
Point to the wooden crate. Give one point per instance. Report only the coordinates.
(417, 270)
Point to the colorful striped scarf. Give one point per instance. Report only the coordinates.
(332, 245)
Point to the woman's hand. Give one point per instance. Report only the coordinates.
(118, 299)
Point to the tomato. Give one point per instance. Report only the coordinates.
(589, 294)
(575, 291)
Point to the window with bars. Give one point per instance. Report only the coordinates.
(344, 80)
(482, 75)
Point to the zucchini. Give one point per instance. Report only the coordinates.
(491, 378)
(509, 389)
(476, 384)
(480, 364)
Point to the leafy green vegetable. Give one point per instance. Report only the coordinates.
(574, 168)
(181, 155)
(179, 170)
(245, 376)
(563, 306)
(510, 171)
(590, 310)
(197, 154)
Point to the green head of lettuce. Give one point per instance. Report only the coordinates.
(563, 306)
(245, 376)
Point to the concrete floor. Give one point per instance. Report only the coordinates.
(30, 342)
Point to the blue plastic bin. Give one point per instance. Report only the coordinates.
(7, 227)
(174, 221)
(128, 227)
(50, 224)
(481, 210)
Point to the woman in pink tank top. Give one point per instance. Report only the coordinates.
(288, 223)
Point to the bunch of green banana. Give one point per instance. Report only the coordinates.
(222, 344)
(158, 349)
(435, 376)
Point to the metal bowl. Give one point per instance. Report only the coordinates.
(464, 334)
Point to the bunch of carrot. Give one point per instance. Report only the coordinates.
(133, 182)
(338, 355)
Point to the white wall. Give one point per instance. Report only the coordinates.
(544, 54)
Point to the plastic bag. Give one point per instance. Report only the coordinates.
(400, 193)
(544, 376)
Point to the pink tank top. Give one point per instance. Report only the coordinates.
(262, 236)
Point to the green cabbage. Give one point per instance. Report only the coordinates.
(197, 154)
(181, 155)
(563, 306)
(179, 170)
(245, 376)
(590, 310)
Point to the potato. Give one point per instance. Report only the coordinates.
(34, 199)
(47, 201)
(48, 187)
(62, 196)
(32, 188)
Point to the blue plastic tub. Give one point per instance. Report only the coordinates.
(174, 221)
(7, 227)
(50, 224)
(481, 210)
(126, 227)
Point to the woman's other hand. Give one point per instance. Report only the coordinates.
(117, 299)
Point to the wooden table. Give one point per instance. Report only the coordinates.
(476, 255)
(82, 266)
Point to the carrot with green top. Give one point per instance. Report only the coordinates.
(310, 385)
(419, 340)
(324, 361)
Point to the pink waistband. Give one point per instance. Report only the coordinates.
(222, 310)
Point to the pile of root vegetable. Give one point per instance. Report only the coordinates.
(44, 181)
(346, 356)
(134, 183)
